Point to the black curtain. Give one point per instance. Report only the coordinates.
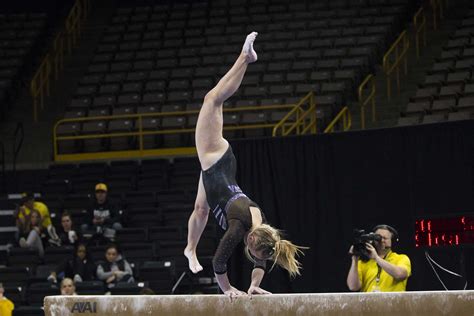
(319, 188)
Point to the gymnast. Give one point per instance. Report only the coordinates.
(240, 217)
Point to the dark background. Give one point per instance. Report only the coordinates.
(319, 188)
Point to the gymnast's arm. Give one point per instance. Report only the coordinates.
(234, 234)
(257, 276)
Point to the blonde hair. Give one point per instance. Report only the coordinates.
(66, 280)
(280, 251)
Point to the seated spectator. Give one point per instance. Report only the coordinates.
(115, 269)
(68, 287)
(79, 268)
(67, 234)
(103, 217)
(28, 203)
(31, 231)
(6, 306)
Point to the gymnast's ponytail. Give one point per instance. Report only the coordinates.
(283, 252)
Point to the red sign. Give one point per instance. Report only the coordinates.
(447, 231)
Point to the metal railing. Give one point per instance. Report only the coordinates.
(345, 116)
(54, 60)
(40, 85)
(18, 138)
(73, 24)
(140, 133)
(367, 84)
(304, 115)
(395, 55)
(419, 23)
(438, 11)
(58, 48)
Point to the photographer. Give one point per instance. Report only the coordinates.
(376, 268)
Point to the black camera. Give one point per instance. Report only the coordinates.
(360, 240)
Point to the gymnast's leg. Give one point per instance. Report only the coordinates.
(210, 143)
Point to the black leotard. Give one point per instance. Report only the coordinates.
(230, 206)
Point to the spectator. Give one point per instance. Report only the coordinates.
(28, 203)
(68, 287)
(115, 269)
(79, 268)
(31, 231)
(67, 234)
(103, 217)
(6, 306)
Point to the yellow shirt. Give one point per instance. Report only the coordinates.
(368, 274)
(6, 307)
(43, 210)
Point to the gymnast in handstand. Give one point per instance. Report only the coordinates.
(240, 217)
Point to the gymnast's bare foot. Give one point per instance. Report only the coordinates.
(247, 49)
(194, 264)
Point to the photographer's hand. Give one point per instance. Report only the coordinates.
(372, 251)
(351, 253)
(353, 281)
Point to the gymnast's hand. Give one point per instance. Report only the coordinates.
(233, 292)
(256, 290)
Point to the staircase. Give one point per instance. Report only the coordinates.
(388, 111)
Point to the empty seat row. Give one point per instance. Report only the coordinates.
(256, 14)
(133, 93)
(228, 45)
(257, 6)
(435, 118)
(197, 55)
(441, 105)
(268, 31)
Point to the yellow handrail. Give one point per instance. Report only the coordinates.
(301, 124)
(419, 22)
(370, 79)
(434, 9)
(73, 25)
(140, 133)
(438, 11)
(345, 115)
(40, 86)
(393, 57)
(58, 48)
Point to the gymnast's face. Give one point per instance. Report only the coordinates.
(252, 245)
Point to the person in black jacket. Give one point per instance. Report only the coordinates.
(68, 234)
(115, 269)
(103, 217)
(79, 268)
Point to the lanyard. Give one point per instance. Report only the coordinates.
(379, 270)
(377, 278)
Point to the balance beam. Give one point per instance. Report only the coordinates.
(457, 303)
